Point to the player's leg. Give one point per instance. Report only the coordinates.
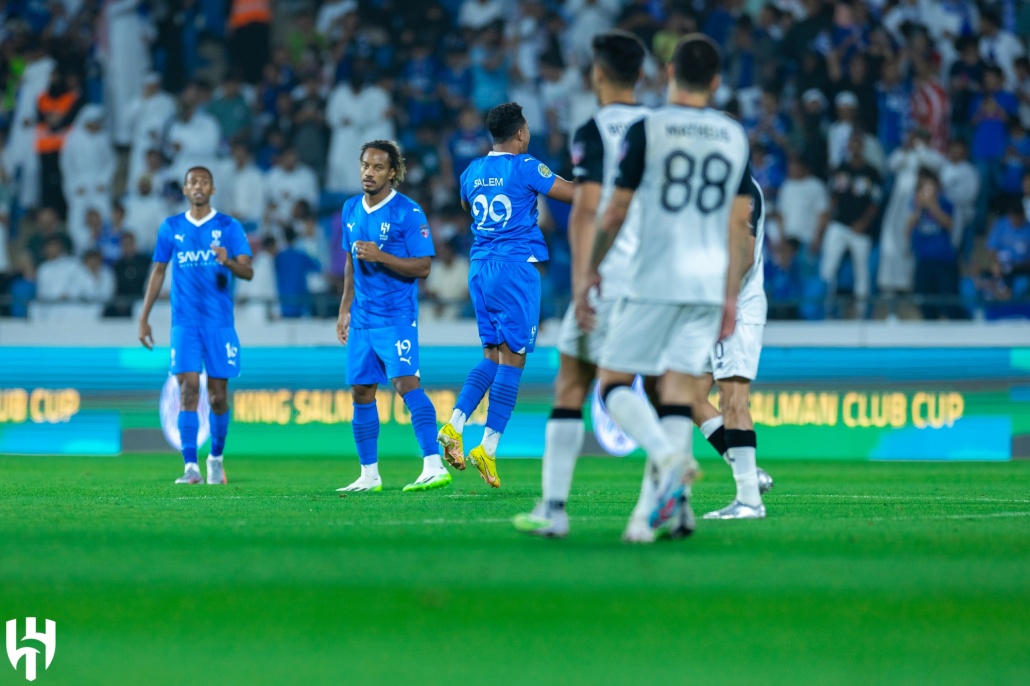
(365, 371)
(741, 444)
(477, 383)
(186, 363)
(479, 380)
(189, 425)
(563, 441)
(423, 421)
(222, 359)
(218, 420)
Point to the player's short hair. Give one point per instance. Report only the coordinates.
(696, 62)
(620, 55)
(198, 169)
(393, 151)
(504, 121)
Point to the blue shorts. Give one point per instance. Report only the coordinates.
(506, 297)
(375, 356)
(214, 348)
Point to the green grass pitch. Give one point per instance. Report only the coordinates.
(863, 573)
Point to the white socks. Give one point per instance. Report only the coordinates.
(680, 431)
(563, 441)
(432, 464)
(370, 471)
(634, 415)
(745, 473)
(458, 420)
(490, 440)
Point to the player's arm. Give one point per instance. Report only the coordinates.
(343, 319)
(631, 173)
(411, 267)
(741, 249)
(561, 190)
(588, 176)
(157, 279)
(240, 263)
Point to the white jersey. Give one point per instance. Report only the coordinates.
(595, 157)
(687, 165)
(752, 305)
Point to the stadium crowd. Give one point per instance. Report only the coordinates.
(890, 138)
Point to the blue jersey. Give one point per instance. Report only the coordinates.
(382, 297)
(501, 190)
(201, 288)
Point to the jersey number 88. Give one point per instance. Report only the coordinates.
(679, 174)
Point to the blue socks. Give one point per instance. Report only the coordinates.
(366, 431)
(219, 429)
(189, 426)
(476, 385)
(503, 394)
(423, 420)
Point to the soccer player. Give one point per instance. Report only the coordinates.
(732, 366)
(500, 190)
(689, 166)
(389, 247)
(207, 249)
(618, 58)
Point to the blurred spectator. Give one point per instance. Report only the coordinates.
(258, 298)
(840, 132)
(469, 142)
(147, 116)
(855, 197)
(331, 14)
(145, 210)
(88, 163)
(418, 79)
(455, 82)
(801, 203)
(1009, 244)
(312, 240)
(894, 100)
(895, 272)
(1016, 160)
(19, 156)
(131, 272)
(767, 171)
(859, 83)
(125, 57)
(999, 47)
(961, 186)
(930, 106)
(292, 267)
(477, 14)
(489, 72)
(966, 76)
(784, 280)
(193, 135)
(447, 284)
(250, 36)
(230, 109)
(241, 188)
(357, 112)
(58, 107)
(989, 115)
(102, 237)
(96, 284)
(48, 226)
(813, 132)
(288, 182)
(310, 134)
(1022, 90)
(23, 286)
(936, 263)
(59, 277)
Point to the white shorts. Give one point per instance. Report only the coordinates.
(651, 338)
(582, 345)
(737, 355)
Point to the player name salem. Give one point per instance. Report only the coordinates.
(712, 133)
(476, 183)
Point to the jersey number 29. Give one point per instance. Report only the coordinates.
(678, 189)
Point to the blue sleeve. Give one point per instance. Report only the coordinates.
(163, 246)
(344, 229)
(239, 244)
(461, 185)
(418, 239)
(536, 175)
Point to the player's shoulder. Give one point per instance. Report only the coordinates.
(589, 131)
(174, 221)
(527, 164)
(405, 207)
(350, 205)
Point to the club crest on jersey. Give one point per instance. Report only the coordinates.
(578, 152)
(544, 171)
(424, 230)
(216, 237)
(384, 231)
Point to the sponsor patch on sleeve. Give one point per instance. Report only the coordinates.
(544, 170)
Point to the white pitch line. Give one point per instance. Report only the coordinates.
(986, 515)
(902, 498)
